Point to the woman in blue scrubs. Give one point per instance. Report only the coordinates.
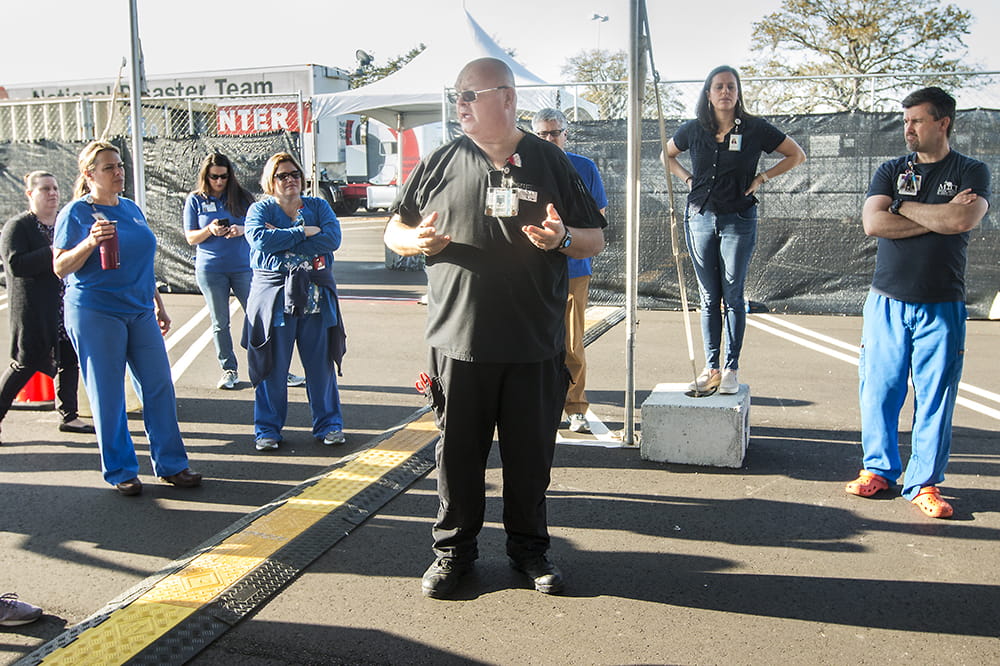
(293, 303)
(114, 316)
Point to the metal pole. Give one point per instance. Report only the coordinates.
(632, 214)
(399, 152)
(138, 166)
(314, 124)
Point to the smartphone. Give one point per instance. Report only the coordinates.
(223, 222)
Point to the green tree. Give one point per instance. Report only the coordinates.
(371, 73)
(852, 37)
(605, 71)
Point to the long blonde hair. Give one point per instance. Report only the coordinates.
(85, 162)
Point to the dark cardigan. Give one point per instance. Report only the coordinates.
(34, 294)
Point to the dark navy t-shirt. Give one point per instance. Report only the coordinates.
(493, 297)
(721, 175)
(929, 268)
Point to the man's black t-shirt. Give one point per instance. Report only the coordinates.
(929, 268)
(493, 297)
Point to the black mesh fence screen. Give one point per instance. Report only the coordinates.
(812, 255)
(171, 167)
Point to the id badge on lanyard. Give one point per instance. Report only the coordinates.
(908, 182)
(502, 200)
(736, 137)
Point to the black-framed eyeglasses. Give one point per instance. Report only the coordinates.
(218, 176)
(550, 133)
(470, 95)
(285, 175)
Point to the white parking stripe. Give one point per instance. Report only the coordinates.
(191, 353)
(809, 344)
(178, 335)
(813, 334)
(853, 358)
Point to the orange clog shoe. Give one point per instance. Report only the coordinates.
(930, 502)
(867, 484)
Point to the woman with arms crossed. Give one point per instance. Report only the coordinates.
(293, 303)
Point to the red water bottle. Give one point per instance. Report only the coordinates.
(109, 250)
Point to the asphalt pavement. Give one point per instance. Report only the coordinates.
(664, 563)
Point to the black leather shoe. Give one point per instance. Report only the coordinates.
(130, 487)
(82, 429)
(441, 577)
(545, 575)
(186, 478)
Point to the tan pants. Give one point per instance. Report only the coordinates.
(576, 360)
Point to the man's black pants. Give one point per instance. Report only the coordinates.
(523, 401)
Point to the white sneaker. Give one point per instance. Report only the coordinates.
(335, 437)
(229, 380)
(578, 423)
(267, 444)
(730, 382)
(295, 380)
(14, 613)
(707, 381)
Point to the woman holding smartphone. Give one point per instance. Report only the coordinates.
(213, 223)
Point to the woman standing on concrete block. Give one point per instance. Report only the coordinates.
(720, 226)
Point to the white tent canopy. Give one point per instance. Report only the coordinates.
(413, 95)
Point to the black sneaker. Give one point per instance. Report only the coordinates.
(441, 577)
(545, 575)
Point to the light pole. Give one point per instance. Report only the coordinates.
(600, 18)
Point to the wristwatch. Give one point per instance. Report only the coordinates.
(894, 206)
(566, 241)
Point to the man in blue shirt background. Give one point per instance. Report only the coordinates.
(552, 125)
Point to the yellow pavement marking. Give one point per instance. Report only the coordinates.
(130, 629)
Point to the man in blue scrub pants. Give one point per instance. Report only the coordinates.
(921, 208)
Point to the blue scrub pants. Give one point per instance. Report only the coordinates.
(105, 343)
(924, 341)
(721, 246)
(270, 407)
(216, 287)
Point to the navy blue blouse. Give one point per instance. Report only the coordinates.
(722, 175)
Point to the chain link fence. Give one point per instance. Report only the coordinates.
(608, 100)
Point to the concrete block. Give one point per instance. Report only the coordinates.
(713, 430)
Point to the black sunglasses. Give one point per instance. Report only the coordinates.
(547, 133)
(285, 175)
(218, 176)
(470, 95)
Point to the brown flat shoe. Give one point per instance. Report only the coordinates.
(130, 487)
(186, 478)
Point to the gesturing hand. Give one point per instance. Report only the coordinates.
(550, 234)
(427, 240)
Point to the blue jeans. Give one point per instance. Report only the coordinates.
(216, 288)
(720, 247)
(924, 341)
(270, 407)
(105, 343)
